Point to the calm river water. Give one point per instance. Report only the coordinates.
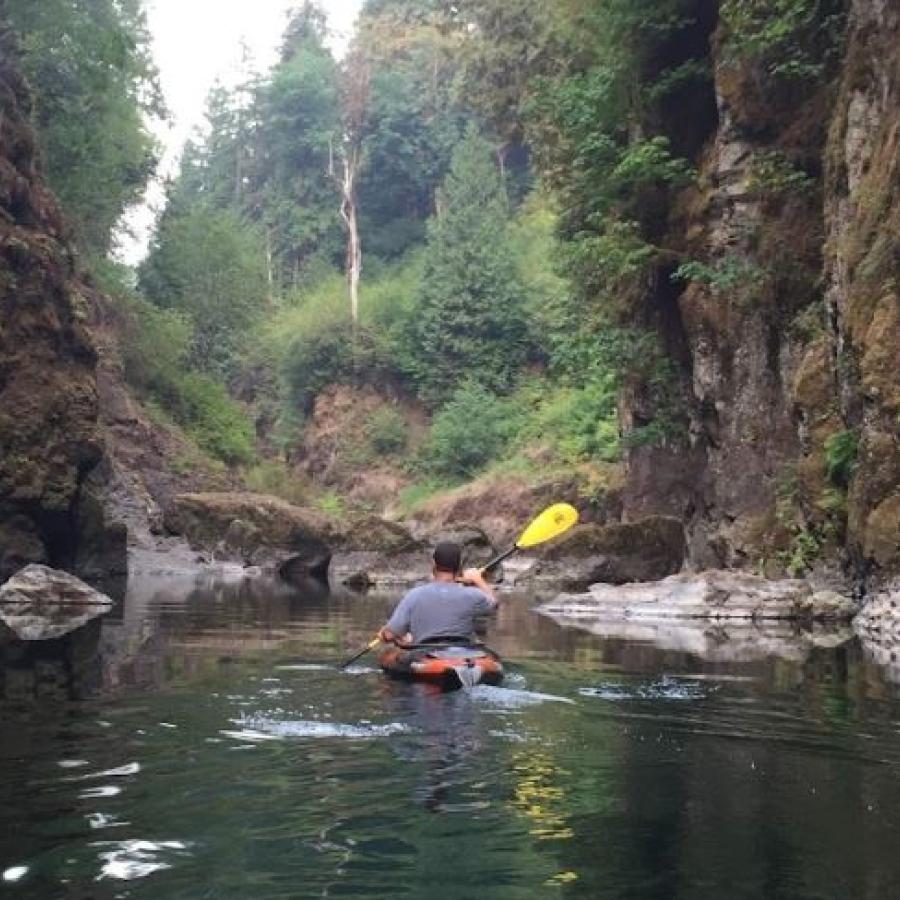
(213, 750)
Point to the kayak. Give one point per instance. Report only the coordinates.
(447, 665)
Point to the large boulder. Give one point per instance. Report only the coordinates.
(295, 542)
(377, 554)
(255, 530)
(714, 594)
(39, 603)
(645, 550)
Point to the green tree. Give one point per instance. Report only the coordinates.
(211, 266)
(470, 322)
(291, 192)
(90, 67)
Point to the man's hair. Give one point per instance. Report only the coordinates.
(447, 557)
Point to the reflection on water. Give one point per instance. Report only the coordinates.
(217, 751)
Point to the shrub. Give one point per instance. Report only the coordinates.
(272, 477)
(386, 431)
(841, 450)
(730, 273)
(218, 424)
(791, 39)
(155, 344)
(474, 428)
(774, 175)
(579, 422)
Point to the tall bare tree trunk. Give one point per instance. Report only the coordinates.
(349, 214)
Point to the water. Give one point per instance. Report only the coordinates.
(215, 751)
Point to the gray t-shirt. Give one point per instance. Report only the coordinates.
(439, 609)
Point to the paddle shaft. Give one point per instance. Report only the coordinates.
(370, 646)
(499, 559)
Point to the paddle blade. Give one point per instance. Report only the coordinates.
(552, 522)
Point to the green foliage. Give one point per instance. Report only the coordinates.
(792, 39)
(218, 423)
(311, 341)
(331, 504)
(407, 146)
(805, 548)
(94, 84)
(841, 451)
(728, 274)
(267, 157)
(387, 432)
(579, 423)
(273, 477)
(290, 190)
(774, 175)
(209, 266)
(472, 429)
(417, 493)
(606, 264)
(155, 345)
(470, 322)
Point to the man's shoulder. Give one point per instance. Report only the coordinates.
(419, 590)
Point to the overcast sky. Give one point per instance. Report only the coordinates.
(194, 43)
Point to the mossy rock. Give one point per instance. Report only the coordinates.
(377, 534)
(645, 550)
(881, 538)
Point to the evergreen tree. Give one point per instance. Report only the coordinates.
(94, 84)
(210, 265)
(291, 192)
(470, 323)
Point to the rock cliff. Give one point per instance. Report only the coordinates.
(49, 439)
(787, 335)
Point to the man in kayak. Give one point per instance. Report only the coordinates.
(446, 607)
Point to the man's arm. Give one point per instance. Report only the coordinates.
(397, 626)
(475, 578)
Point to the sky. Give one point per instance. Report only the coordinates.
(194, 43)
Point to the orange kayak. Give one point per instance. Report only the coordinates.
(448, 666)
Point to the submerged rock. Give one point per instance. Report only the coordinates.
(39, 603)
(714, 594)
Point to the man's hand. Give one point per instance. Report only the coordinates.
(389, 637)
(475, 578)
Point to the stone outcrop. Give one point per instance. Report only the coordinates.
(49, 441)
(255, 530)
(617, 553)
(714, 594)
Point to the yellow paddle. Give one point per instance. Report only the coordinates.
(551, 523)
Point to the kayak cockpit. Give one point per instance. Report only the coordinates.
(450, 666)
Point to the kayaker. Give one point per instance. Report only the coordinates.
(446, 607)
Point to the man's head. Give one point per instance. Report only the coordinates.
(447, 558)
